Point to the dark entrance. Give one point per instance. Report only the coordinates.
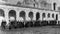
(37, 15)
(37, 23)
(2, 13)
(12, 13)
(54, 6)
(31, 15)
(56, 16)
(30, 23)
(22, 14)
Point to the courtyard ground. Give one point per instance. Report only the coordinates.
(33, 30)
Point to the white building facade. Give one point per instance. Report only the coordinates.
(48, 10)
(15, 12)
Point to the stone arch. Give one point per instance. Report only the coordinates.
(53, 15)
(43, 15)
(22, 14)
(37, 15)
(12, 13)
(48, 15)
(30, 15)
(2, 13)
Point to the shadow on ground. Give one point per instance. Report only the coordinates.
(33, 30)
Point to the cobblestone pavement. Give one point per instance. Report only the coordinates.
(34, 30)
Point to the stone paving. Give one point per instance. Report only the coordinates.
(33, 30)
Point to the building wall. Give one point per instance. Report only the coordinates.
(37, 3)
(45, 4)
(27, 10)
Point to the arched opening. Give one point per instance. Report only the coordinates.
(12, 13)
(54, 22)
(30, 23)
(48, 15)
(37, 15)
(37, 23)
(56, 16)
(54, 6)
(52, 15)
(43, 15)
(2, 13)
(44, 22)
(31, 15)
(22, 14)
